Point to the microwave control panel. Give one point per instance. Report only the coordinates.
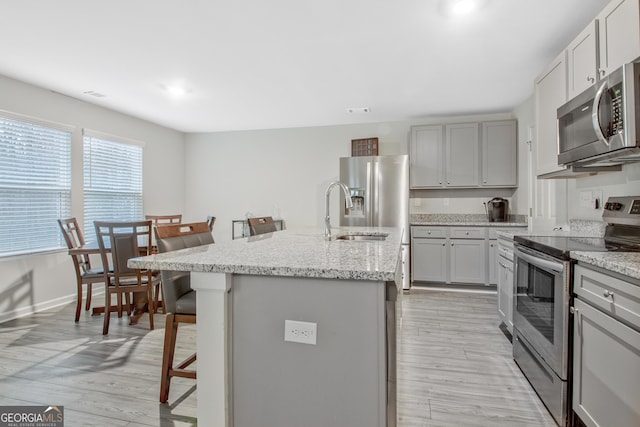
(616, 109)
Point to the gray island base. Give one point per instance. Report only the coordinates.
(294, 330)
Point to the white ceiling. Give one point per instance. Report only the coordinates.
(258, 64)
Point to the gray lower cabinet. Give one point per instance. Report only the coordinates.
(468, 264)
(606, 358)
(449, 254)
(429, 259)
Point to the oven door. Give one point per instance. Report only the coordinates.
(541, 305)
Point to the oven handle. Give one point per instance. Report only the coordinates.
(532, 259)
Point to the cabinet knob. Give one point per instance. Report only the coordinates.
(484, 182)
(452, 244)
(573, 310)
(466, 232)
(607, 294)
(428, 232)
(443, 244)
(601, 71)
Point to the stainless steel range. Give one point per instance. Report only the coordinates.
(543, 280)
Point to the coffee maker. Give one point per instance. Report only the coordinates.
(497, 209)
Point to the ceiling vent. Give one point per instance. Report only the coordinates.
(96, 94)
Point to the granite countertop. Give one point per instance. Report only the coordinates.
(477, 220)
(300, 253)
(627, 263)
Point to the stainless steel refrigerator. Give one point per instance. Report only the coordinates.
(380, 192)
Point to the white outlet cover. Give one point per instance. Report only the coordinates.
(300, 332)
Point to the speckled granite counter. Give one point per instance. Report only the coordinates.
(627, 263)
(477, 220)
(299, 253)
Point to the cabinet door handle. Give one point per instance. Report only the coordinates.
(452, 244)
(601, 71)
(608, 294)
(443, 244)
(591, 79)
(466, 232)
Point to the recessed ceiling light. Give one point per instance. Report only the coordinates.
(463, 6)
(176, 90)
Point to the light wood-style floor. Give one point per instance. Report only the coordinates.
(454, 368)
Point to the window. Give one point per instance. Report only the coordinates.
(35, 184)
(112, 181)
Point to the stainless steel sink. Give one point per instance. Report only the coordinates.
(361, 236)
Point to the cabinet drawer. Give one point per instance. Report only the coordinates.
(616, 297)
(429, 232)
(468, 233)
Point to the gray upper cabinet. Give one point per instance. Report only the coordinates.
(618, 34)
(582, 60)
(499, 154)
(464, 155)
(550, 93)
(426, 156)
(461, 152)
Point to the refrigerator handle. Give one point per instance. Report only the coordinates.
(373, 207)
(369, 194)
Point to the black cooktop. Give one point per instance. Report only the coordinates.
(561, 246)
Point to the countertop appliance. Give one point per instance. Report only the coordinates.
(497, 210)
(543, 294)
(379, 188)
(600, 125)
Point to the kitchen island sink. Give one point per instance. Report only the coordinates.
(294, 329)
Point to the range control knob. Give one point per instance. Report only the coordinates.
(613, 206)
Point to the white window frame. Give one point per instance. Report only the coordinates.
(112, 179)
(35, 183)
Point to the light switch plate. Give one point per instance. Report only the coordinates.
(301, 332)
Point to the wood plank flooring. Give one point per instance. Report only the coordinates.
(454, 368)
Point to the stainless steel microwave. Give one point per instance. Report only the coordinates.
(600, 125)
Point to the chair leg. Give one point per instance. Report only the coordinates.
(151, 306)
(89, 292)
(119, 303)
(107, 311)
(170, 333)
(79, 303)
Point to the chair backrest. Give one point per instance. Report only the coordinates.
(261, 225)
(123, 240)
(164, 219)
(174, 237)
(211, 220)
(74, 238)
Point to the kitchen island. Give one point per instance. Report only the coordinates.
(249, 291)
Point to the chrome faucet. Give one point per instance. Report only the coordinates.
(349, 204)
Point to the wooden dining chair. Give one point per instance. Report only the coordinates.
(161, 221)
(125, 240)
(180, 299)
(261, 225)
(85, 274)
(210, 221)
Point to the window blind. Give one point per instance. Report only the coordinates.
(112, 182)
(35, 186)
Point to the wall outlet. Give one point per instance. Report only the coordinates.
(302, 332)
(586, 199)
(597, 201)
(445, 201)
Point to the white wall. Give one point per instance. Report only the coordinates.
(41, 281)
(284, 172)
(624, 183)
(280, 173)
